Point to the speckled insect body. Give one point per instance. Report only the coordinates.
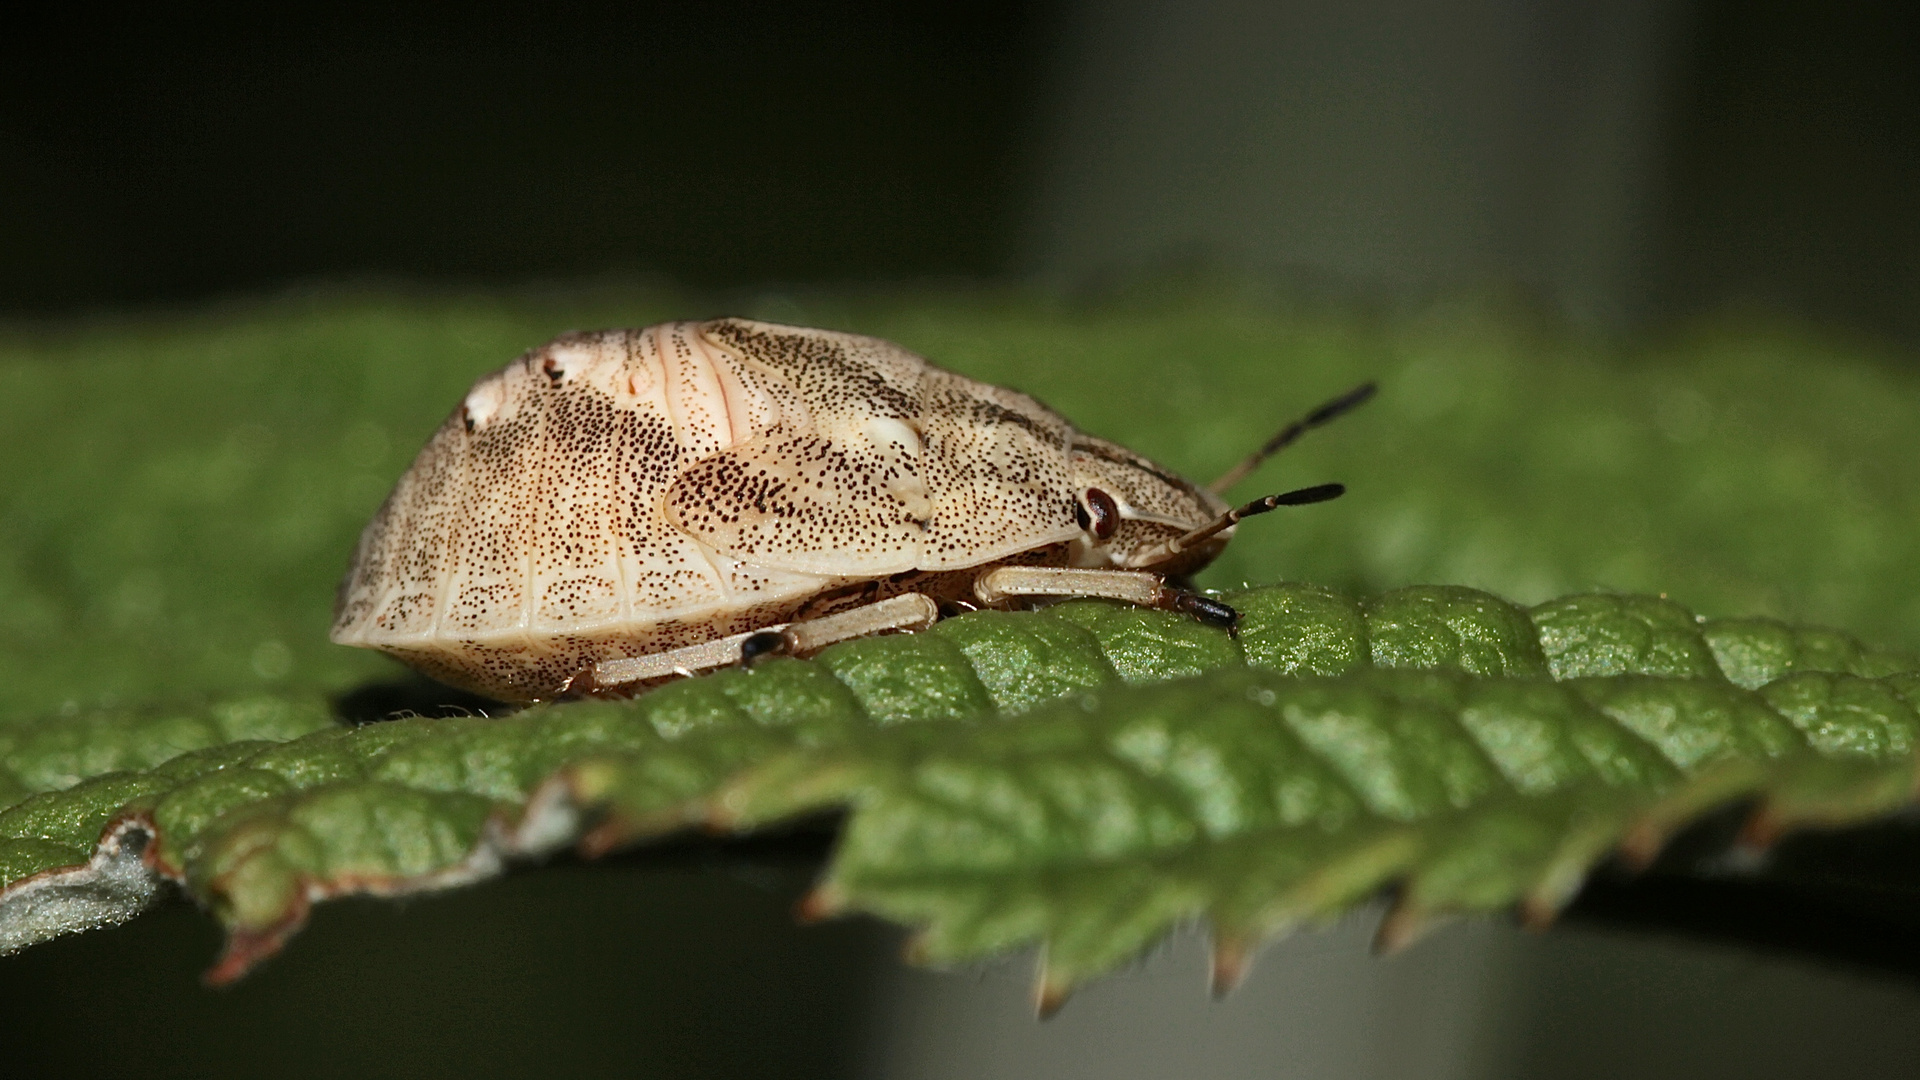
(621, 506)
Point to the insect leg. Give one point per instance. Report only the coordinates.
(1132, 586)
(913, 611)
(764, 643)
(719, 652)
(909, 611)
(1011, 582)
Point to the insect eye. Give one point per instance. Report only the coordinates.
(1103, 512)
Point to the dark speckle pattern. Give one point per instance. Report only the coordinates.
(619, 493)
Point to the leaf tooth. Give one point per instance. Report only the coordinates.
(783, 788)
(1405, 923)
(1563, 875)
(1762, 829)
(1051, 989)
(1641, 844)
(1828, 794)
(824, 901)
(1538, 914)
(1350, 877)
(248, 946)
(1723, 782)
(918, 950)
(1050, 1000)
(617, 830)
(1233, 956)
(610, 835)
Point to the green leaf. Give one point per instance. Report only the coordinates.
(198, 479)
(1259, 800)
(167, 564)
(1084, 776)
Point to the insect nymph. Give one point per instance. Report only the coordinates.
(619, 507)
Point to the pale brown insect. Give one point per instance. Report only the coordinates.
(615, 508)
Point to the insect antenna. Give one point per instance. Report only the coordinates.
(1297, 497)
(1285, 437)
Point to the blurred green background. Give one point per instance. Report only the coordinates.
(1638, 281)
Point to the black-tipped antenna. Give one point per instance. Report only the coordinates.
(1339, 406)
(1298, 497)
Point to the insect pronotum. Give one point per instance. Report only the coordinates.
(616, 508)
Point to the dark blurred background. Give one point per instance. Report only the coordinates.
(149, 156)
(1625, 163)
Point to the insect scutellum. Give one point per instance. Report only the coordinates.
(619, 507)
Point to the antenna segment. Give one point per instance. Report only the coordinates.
(1285, 437)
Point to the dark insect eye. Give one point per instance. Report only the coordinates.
(1104, 512)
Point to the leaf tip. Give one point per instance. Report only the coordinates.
(1642, 845)
(1050, 996)
(1762, 829)
(917, 951)
(610, 835)
(1540, 906)
(1052, 986)
(618, 829)
(824, 902)
(1404, 925)
(1539, 912)
(247, 948)
(1232, 963)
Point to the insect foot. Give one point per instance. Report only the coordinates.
(764, 643)
(624, 506)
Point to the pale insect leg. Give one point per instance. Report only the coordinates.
(1132, 586)
(708, 654)
(912, 611)
(1010, 582)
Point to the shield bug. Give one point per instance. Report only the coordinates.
(615, 508)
